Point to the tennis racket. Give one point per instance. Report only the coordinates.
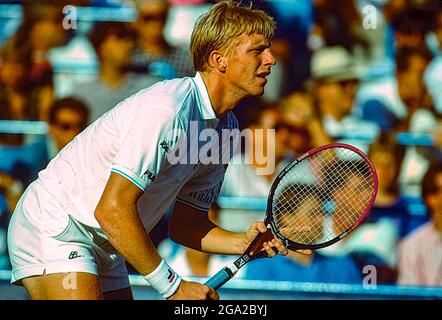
(315, 201)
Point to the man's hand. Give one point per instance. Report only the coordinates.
(194, 291)
(259, 227)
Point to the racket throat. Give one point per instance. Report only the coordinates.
(232, 269)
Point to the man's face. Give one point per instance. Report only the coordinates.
(117, 50)
(350, 198)
(152, 18)
(68, 123)
(434, 202)
(248, 64)
(386, 167)
(341, 95)
(305, 224)
(12, 73)
(411, 89)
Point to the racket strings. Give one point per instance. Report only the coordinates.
(290, 226)
(346, 220)
(322, 196)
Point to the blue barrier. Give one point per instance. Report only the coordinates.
(239, 289)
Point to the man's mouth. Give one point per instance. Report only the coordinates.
(263, 74)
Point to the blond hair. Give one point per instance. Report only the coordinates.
(219, 28)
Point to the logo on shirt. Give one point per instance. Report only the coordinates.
(150, 175)
(165, 146)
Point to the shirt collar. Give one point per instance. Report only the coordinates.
(205, 106)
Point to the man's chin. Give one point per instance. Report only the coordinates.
(259, 92)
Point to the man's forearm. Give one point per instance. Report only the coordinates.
(222, 241)
(126, 233)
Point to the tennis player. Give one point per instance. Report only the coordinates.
(93, 206)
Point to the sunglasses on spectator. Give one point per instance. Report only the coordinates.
(68, 126)
(154, 17)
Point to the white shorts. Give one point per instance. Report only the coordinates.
(44, 239)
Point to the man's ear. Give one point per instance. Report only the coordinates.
(218, 60)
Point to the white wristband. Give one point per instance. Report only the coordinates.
(164, 280)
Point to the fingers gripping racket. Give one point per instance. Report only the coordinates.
(315, 201)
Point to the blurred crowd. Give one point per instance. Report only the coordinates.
(364, 72)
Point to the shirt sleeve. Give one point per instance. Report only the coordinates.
(407, 269)
(202, 190)
(142, 151)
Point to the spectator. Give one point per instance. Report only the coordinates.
(14, 96)
(153, 52)
(253, 167)
(334, 83)
(113, 43)
(408, 23)
(420, 253)
(300, 114)
(393, 108)
(336, 25)
(41, 30)
(20, 164)
(314, 268)
(389, 218)
(418, 114)
(387, 156)
(411, 25)
(433, 74)
(67, 118)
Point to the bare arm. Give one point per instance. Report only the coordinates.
(118, 217)
(192, 228)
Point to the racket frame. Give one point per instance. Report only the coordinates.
(269, 221)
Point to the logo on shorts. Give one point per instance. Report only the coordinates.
(74, 255)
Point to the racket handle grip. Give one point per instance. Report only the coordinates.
(218, 280)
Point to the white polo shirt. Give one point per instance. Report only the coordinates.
(136, 139)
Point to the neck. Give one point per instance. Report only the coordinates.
(384, 198)
(437, 223)
(39, 47)
(332, 111)
(154, 47)
(222, 97)
(111, 76)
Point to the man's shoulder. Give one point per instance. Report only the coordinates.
(166, 94)
(418, 236)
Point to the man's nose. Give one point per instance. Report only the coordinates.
(269, 58)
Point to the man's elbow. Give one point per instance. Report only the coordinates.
(103, 214)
